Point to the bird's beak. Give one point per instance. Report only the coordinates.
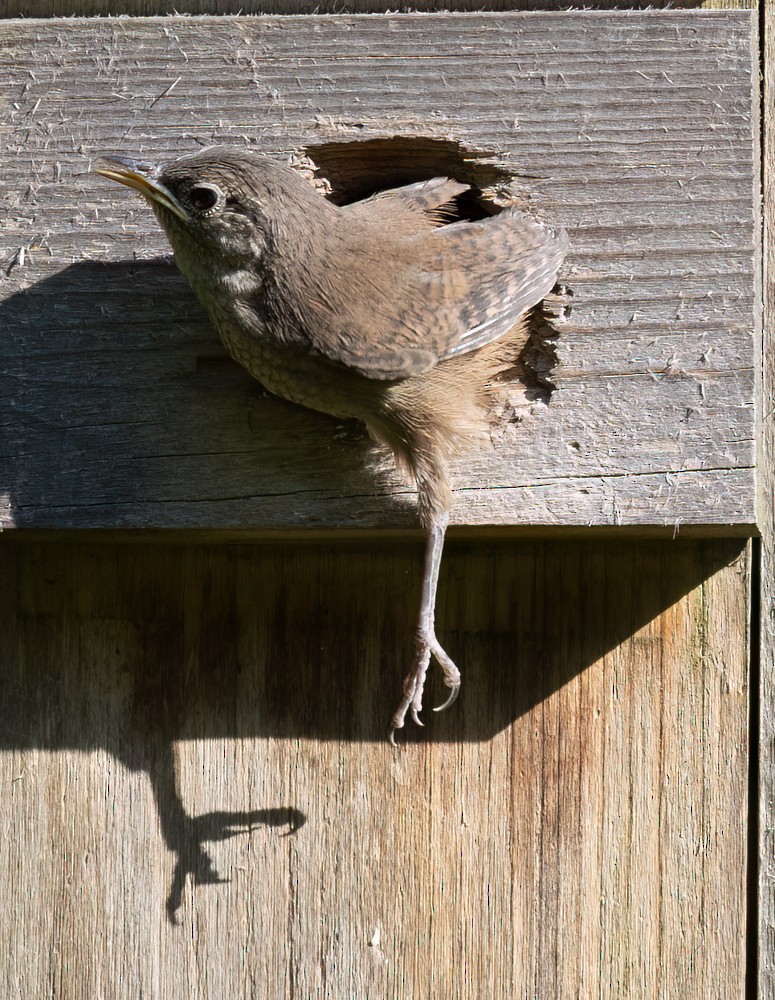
(143, 178)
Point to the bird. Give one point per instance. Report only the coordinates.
(385, 310)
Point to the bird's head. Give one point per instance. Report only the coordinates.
(220, 201)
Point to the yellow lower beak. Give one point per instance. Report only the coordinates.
(141, 177)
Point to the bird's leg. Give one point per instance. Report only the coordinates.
(426, 643)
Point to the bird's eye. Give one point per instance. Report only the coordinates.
(204, 197)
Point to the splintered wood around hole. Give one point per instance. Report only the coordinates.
(358, 168)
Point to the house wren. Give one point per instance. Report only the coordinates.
(376, 310)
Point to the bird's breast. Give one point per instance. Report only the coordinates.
(276, 354)
(290, 373)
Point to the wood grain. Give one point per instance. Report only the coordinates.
(574, 827)
(765, 771)
(117, 406)
(144, 8)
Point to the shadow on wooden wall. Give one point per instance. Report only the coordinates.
(133, 647)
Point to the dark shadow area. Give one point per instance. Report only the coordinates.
(121, 409)
(357, 169)
(295, 640)
(303, 642)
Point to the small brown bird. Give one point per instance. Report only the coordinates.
(376, 310)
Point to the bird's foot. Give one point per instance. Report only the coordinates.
(414, 683)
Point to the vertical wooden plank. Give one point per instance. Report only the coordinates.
(766, 763)
(575, 827)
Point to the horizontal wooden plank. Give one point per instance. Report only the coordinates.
(118, 406)
(140, 8)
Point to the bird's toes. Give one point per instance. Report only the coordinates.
(415, 716)
(451, 673)
(451, 697)
(414, 684)
(397, 722)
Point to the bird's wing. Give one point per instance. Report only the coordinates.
(488, 274)
(424, 202)
(456, 289)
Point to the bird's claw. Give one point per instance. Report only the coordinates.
(451, 697)
(414, 684)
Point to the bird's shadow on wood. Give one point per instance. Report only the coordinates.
(125, 411)
(186, 836)
(103, 363)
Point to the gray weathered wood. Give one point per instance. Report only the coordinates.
(143, 8)
(634, 131)
(574, 828)
(766, 712)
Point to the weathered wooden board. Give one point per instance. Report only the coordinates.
(117, 406)
(765, 765)
(143, 8)
(575, 827)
